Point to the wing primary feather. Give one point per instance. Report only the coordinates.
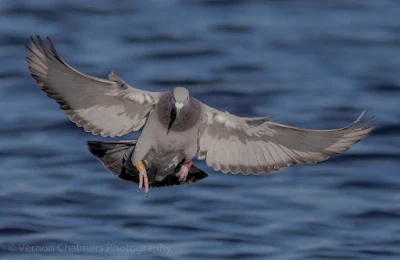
(86, 99)
(53, 49)
(44, 48)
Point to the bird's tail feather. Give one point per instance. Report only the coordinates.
(112, 154)
(116, 157)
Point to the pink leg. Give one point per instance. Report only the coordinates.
(183, 172)
(143, 180)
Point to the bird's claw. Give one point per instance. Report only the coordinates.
(143, 181)
(183, 172)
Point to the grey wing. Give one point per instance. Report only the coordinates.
(256, 145)
(106, 107)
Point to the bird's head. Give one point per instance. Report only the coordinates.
(180, 98)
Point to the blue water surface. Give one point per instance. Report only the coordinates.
(313, 64)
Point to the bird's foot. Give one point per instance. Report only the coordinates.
(143, 179)
(183, 172)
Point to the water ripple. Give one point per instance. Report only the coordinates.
(307, 63)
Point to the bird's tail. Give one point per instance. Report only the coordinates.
(112, 154)
(116, 157)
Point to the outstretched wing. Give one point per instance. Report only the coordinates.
(106, 107)
(256, 145)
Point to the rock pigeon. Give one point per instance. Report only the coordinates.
(176, 127)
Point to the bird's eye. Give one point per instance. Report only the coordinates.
(187, 98)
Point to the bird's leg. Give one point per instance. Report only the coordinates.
(143, 179)
(183, 172)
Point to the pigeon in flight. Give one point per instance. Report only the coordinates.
(176, 126)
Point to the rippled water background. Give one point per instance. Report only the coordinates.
(309, 63)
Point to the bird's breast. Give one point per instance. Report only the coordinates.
(188, 117)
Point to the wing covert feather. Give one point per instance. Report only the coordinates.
(257, 145)
(106, 107)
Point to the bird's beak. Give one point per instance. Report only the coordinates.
(178, 107)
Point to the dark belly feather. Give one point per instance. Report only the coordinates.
(116, 157)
